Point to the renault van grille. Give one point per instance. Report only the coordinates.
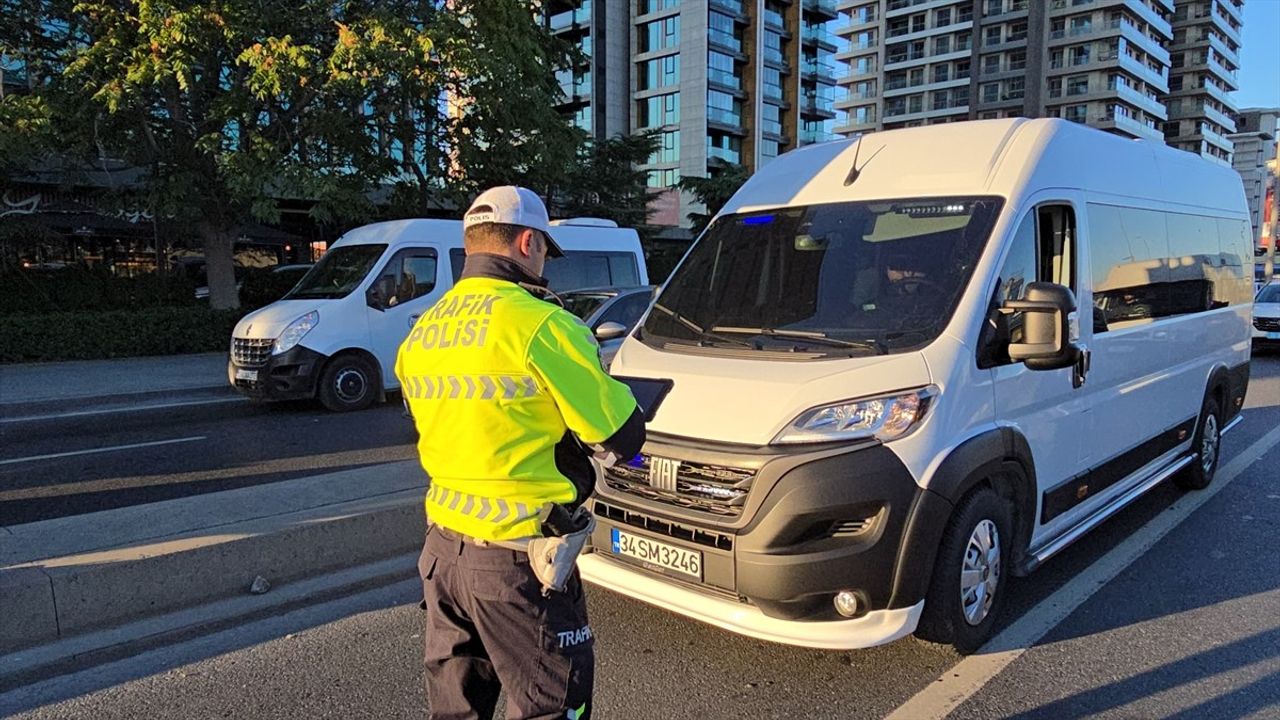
(1267, 324)
(251, 352)
(713, 489)
(716, 540)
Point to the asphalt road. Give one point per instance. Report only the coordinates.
(1189, 629)
(77, 463)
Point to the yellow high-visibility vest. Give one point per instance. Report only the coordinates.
(494, 377)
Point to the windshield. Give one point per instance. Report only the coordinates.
(838, 279)
(338, 273)
(1269, 294)
(583, 304)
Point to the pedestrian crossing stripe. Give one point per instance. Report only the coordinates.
(493, 510)
(469, 387)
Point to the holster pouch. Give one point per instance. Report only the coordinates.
(553, 558)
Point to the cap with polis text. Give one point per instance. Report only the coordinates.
(512, 205)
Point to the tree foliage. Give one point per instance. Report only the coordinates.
(712, 192)
(232, 105)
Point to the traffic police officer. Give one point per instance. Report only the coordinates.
(506, 389)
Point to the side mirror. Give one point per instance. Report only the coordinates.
(380, 292)
(1047, 345)
(610, 331)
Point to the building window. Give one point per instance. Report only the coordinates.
(668, 148)
(663, 178)
(1017, 31)
(1055, 87)
(990, 64)
(994, 7)
(1018, 60)
(941, 73)
(1015, 89)
(648, 6)
(659, 110)
(1076, 113)
(990, 92)
(942, 45)
(992, 36)
(942, 18)
(660, 34)
(1078, 85)
(915, 103)
(660, 72)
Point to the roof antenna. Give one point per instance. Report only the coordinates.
(854, 172)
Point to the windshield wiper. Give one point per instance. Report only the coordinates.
(816, 335)
(704, 334)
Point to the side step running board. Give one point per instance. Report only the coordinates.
(1106, 511)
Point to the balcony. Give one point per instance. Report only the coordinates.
(733, 157)
(865, 16)
(1219, 117)
(1215, 138)
(1148, 104)
(817, 105)
(819, 36)
(900, 7)
(725, 41)
(726, 118)
(809, 137)
(730, 6)
(1230, 76)
(1220, 45)
(774, 20)
(1131, 126)
(818, 70)
(1230, 8)
(821, 7)
(579, 19)
(1216, 93)
(724, 79)
(1139, 68)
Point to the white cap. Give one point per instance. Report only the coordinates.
(512, 205)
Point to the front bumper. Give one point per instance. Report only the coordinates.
(816, 522)
(291, 375)
(874, 628)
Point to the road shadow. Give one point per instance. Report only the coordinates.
(1239, 702)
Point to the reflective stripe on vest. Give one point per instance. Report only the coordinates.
(469, 387)
(492, 510)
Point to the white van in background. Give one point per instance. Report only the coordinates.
(900, 369)
(335, 335)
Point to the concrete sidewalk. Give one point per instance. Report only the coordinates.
(68, 579)
(33, 386)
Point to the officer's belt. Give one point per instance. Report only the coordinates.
(521, 545)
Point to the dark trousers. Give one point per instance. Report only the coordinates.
(489, 628)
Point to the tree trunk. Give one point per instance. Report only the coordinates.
(223, 293)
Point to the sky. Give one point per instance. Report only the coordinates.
(1260, 55)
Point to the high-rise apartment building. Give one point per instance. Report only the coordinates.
(1256, 159)
(1205, 58)
(1155, 69)
(721, 81)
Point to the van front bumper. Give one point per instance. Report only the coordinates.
(874, 628)
(817, 522)
(291, 375)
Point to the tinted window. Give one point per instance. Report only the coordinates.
(1128, 259)
(1269, 294)
(853, 277)
(1019, 271)
(583, 304)
(627, 310)
(340, 271)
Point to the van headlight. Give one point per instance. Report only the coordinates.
(294, 332)
(884, 417)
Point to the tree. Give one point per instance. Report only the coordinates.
(712, 192)
(606, 183)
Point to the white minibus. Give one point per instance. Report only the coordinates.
(335, 335)
(900, 369)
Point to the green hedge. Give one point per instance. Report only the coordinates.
(77, 288)
(117, 333)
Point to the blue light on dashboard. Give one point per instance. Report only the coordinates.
(757, 220)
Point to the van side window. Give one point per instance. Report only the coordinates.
(1042, 250)
(414, 271)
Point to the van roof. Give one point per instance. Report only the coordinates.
(568, 236)
(1008, 158)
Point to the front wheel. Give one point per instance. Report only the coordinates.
(1207, 444)
(969, 576)
(349, 382)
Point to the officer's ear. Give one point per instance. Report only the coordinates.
(526, 243)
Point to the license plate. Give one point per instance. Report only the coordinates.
(251, 375)
(1273, 336)
(662, 555)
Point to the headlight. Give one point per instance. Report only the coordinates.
(886, 417)
(294, 332)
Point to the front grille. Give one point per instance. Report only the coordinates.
(251, 352)
(716, 540)
(713, 489)
(1267, 324)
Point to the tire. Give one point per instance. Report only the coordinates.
(1207, 444)
(965, 618)
(349, 382)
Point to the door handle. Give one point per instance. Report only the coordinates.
(413, 320)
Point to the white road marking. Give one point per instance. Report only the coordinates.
(971, 674)
(131, 408)
(51, 456)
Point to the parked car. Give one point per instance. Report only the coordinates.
(897, 370)
(1266, 316)
(336, 334)
(610, 312)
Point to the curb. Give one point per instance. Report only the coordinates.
(283, 532)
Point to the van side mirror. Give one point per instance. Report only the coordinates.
(380, 292)
(1047, 343)
(610, 330)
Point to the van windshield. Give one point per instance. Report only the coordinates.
(338, 273)
(841, 279)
